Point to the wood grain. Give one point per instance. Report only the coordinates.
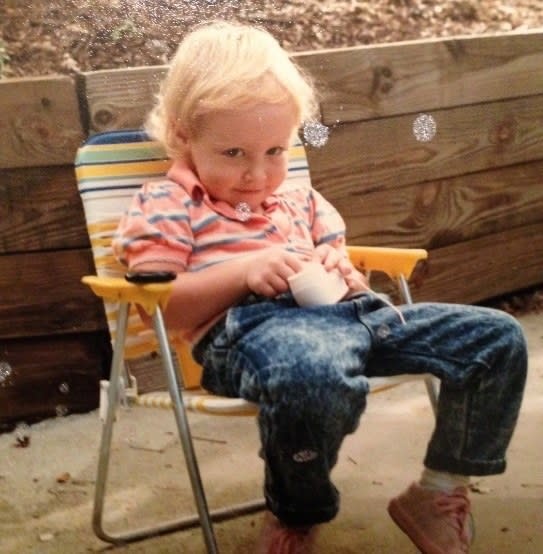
(373, 155)
(51, 376)
(39, 122)
(437, 213)
(40, 210)
(377, 81)
(42, 294)
(476, 270)
(120, 99)
(485, 267)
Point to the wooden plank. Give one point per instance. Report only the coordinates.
(375, 81)
(39, 121)
(40, 210)
(120, 99)
(482, 268)
(51, 376)
(370, 155)
(362, 82)
(42, 294)
(434, 214)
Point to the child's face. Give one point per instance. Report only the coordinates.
(241, 155)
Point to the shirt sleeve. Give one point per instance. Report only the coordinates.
(327, 225)
(156, 228)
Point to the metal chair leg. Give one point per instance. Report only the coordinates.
(174, 386)
(107, 428)
(204, 517)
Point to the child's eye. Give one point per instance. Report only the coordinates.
(233, 152)
(275, 151)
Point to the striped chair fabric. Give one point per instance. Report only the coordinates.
(110, 167)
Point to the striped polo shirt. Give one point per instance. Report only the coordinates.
(175, 224)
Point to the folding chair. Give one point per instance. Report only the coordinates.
(110, 167)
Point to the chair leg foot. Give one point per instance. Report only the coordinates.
(189, 522)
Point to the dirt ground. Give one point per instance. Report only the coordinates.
(46, 489)
(66, 36)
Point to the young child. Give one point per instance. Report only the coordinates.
(234, 233)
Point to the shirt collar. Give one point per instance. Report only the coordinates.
(182, 174)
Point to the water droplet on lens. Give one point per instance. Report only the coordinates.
(61, 410)
(22, 433)
(424, 127)
(243, 211)
(5, 372)
(316, 134)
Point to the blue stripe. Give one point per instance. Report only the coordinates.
(118, 137)
(330, 237)
(116, 187)
(163, 217)
(122, 161)
(202, 224)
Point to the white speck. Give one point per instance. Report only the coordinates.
(61, 410)
(304, 456)
(243, 211)
(22, 432)
(316, 134)
(383, 332)
(46, 537)
(5, 372)
(424, 127)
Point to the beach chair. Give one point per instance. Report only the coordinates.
(110, 168)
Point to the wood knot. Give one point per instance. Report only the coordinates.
(428, 195)
(383, 80)
(103, 118)
(504, 132)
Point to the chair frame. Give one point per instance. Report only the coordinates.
(153, 297)
(204, 517)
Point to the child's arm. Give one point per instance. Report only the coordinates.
(328, 229)
(200, 296)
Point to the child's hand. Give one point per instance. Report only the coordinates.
(332, 259)
(269, 270)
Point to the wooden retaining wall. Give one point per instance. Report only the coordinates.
(473, 196)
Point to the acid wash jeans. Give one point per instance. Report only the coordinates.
(308, 368)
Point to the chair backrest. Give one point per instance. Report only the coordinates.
(110, 167)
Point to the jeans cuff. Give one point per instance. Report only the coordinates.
(302, 516)
(465, 467)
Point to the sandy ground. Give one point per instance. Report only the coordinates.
(46, 489)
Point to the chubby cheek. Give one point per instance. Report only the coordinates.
(277, 176)
(218, 184)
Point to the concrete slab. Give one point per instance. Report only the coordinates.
(46, 489)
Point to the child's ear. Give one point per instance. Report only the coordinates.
(182, 135)
(180, 131)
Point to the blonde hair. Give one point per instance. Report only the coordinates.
(222, 66)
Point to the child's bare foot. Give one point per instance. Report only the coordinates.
(277, 538)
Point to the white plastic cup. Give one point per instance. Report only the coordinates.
(314, 286)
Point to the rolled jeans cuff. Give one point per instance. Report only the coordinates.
(297, 517)
(465, 467)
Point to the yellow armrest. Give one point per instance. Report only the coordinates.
(392, 261)
(118, 289)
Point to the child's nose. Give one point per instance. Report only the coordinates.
(255, 172)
